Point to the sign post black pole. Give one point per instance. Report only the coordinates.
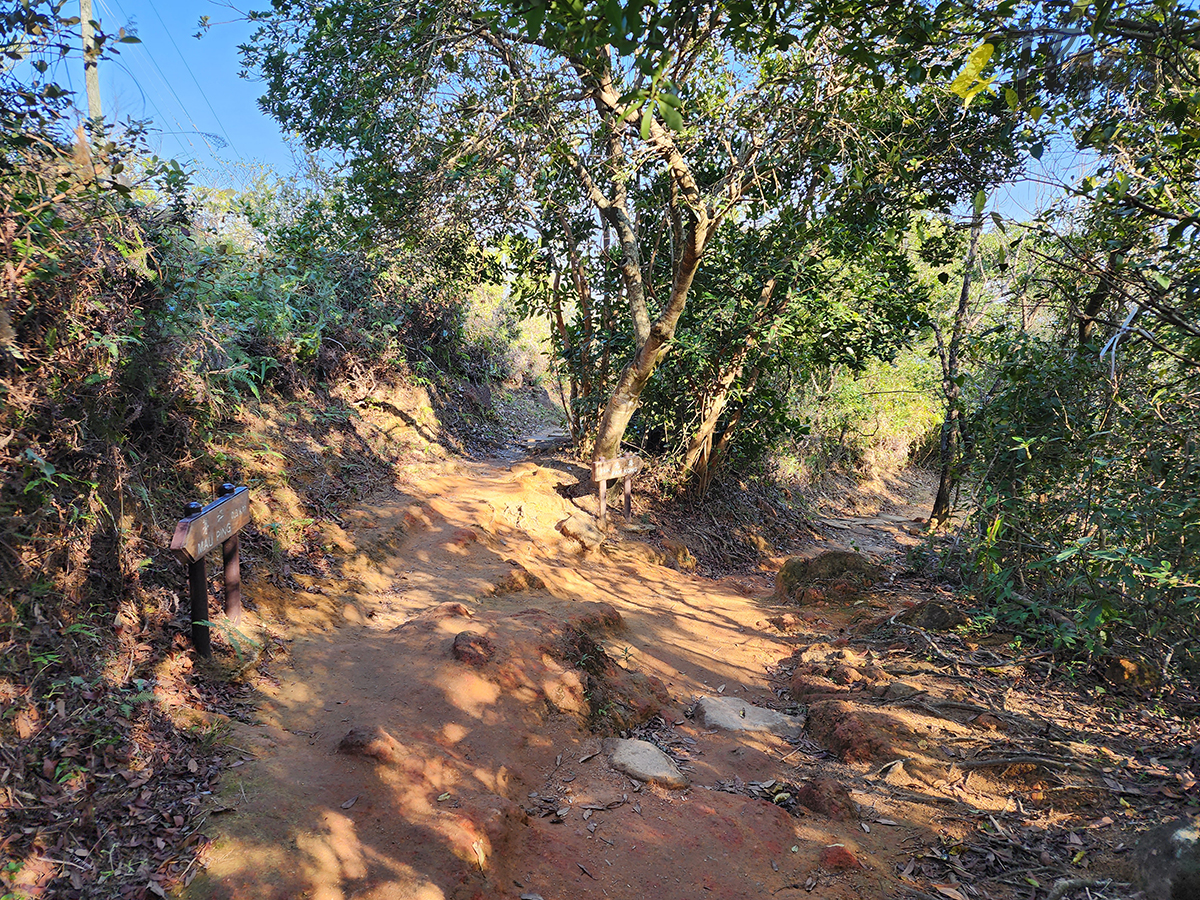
(198, 590)
(201, 529)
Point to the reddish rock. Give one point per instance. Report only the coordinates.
(837, 856)
(518, 580)
(626, 699)
(934, 616)
(679, 555)
(787, 622)
(989, 722)
(808, 682)
(463, 536)
(846, 675)
(597, 618)
(874, 673)
(1131, 673)
(846, 733)
(829, 798)
(472, 649)
(373, 742)
(427, 620)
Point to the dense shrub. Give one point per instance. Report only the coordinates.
(1086, 500)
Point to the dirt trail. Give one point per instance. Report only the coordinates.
(437, 728)
(444, 815)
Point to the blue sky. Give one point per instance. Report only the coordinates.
(200, 109)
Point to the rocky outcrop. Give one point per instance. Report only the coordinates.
(837, 571)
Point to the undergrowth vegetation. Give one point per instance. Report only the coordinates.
(141, 317)
(1085, 515)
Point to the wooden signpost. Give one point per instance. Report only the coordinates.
(199, 532)
(621, 467)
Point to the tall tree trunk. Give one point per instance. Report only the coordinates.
(716, 451)
(698, 456)
(951, 443)
(700, 218)
(624, 400)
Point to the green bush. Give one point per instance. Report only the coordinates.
(1087, 498)
(877, 420)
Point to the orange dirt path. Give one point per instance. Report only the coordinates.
(446, 811)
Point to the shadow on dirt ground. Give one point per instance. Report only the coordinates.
(441, 726)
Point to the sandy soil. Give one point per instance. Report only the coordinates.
(436, 726)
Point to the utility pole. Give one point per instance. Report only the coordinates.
(91, 75)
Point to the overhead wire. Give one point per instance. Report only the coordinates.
(166, 82)
(195, 81)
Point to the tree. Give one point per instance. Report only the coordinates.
(1083, 442)
(950, 446)
(448, 111)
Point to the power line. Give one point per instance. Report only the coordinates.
(154, 10)
(204, 136)
(163, 80)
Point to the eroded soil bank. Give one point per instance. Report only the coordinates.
(433, 724)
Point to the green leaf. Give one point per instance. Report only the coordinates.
(1036, 151)
(980, 202)
(615, 16)
(533, 21)
(1011, 98)
(671, 116)
(647, 118)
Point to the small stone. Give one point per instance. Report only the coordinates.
(581, 528)
(898, 775)
(1131, 673)
(733, 714)
(472, 649)
(935, 616)
(989, 722)
(373, 742)
(518, 580)
(645, 762)
(829, 798)
(900, 690)
(679, 555)
(836, 856)
(1168, 860)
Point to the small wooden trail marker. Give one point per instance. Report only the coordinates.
(201, 529)
(621, 467)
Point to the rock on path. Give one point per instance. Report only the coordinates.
(645, 762)
(582, 529)
(732, 714)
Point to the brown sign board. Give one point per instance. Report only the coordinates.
(213, 525)
(621, 467)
